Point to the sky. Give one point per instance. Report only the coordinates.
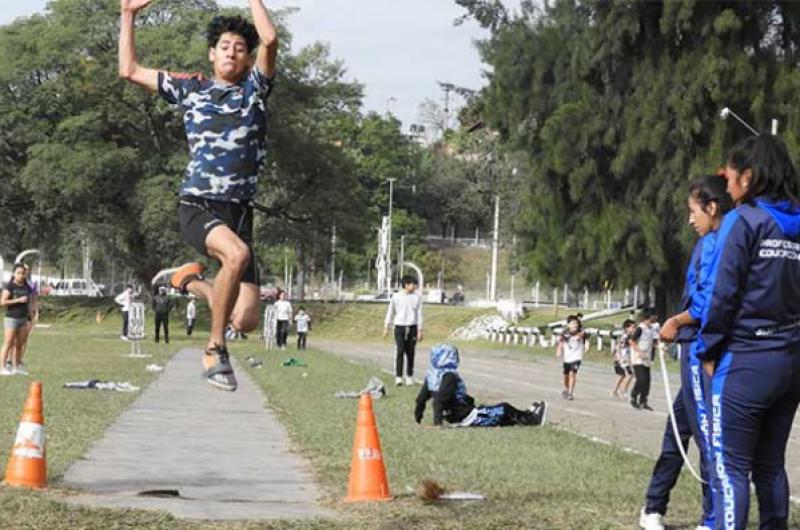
(398, 49)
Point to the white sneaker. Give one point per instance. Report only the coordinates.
(123, 337)
(651, 521)
(5, 371)
(20, 370)
(409, 381)
(398, 381)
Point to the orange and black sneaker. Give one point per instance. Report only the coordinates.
(179, 277)
(186, 273)
(217, 368)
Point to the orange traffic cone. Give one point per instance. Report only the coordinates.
(367, 474)
(27, 465)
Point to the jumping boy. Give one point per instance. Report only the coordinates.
(225, 120)
(571, 346)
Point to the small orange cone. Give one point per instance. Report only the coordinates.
(27, 465)
(367, 474)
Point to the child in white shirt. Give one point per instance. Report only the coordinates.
(301, 322)
(571, 345)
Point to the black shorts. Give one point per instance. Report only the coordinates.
(619, 370)
(199, 216)
(572, 367)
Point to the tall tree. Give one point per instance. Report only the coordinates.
(616, 105)
(82, 149)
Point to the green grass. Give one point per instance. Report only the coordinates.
(533, 477)
(611, 322)
(75, 348)
(539, 478)
(467, 266)
(72, 349)
(74, 352)
(365, 321)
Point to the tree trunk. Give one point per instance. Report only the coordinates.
(668, 294)
(301, 273)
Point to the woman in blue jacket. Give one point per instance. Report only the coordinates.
(708, 202)
(750, 334)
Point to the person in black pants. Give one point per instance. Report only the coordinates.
(162, 305)
(642, 342)
(405, 313)
(301, 322)
(405, 341)
(283, 317)
(124, 300)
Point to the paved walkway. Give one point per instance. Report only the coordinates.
(225, 454)
(497, 375)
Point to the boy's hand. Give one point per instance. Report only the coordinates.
(385, 332)
(22, 300)
(419, 336)
(133, 6)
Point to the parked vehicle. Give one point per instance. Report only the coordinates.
(76, 287)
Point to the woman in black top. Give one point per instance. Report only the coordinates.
(452, 403)
(16, 297)
(33, 318)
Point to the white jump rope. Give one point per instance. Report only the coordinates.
(662, 348)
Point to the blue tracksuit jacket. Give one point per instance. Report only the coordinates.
(749, 327)
(689, 406)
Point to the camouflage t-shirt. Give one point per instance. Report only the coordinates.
(225, 129)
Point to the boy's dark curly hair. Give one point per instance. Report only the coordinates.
(237, 25)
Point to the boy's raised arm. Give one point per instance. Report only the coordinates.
(128, 67)
(268, 49)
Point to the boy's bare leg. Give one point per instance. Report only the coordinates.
(234, 255)
(203, 289)
(573, 377)
(245, 314)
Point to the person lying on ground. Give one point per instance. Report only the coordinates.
(452, 404)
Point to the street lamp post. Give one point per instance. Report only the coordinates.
(390, 105)
(402, 254)
(286, 278)
(726, 111)
(389, 244)
(333, 254)
(495, 238)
